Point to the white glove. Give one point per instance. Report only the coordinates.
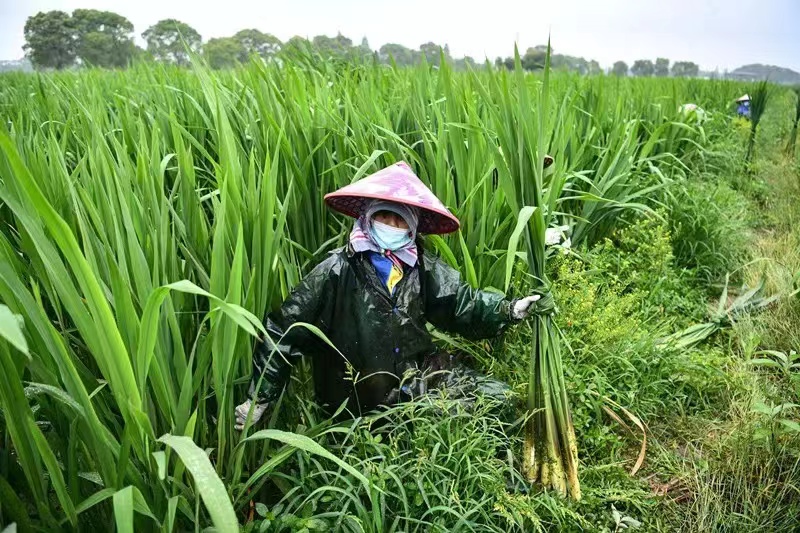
(242, 411)
(522, 306)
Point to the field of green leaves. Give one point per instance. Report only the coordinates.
(150, 218)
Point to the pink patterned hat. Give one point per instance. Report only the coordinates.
(396, 183)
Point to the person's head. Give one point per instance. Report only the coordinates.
(392, 225)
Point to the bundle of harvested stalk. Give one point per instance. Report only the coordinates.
(532, 183)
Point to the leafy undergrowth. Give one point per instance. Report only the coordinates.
(722, 449)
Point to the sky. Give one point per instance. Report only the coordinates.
(715, 34)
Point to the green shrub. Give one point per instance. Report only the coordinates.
(640, 258)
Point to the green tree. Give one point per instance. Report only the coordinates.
(256, 42)
(169, 39)
(620, 68)
(140, 54)
(685, 69)
(534, 58)
(363, 50)
(463, 63)
(402, 56)
(295, 47)
(339, 46)
(573, 64)
(223, 52)
(104, 38)
(643, 67)
(662, 67)
(50, 40)
(432, 53)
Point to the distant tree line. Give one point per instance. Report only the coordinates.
(534, 59)
(647, 68)
(57, 40)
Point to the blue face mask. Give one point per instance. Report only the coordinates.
(388, 237)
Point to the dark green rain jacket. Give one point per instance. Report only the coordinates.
(380, 335)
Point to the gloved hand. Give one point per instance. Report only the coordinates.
(522, 307)
(242, 411)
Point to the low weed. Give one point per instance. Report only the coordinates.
(709, 224)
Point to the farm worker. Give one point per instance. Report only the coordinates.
(372, 299)
(743, 107)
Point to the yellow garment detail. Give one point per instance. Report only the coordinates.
(394, 278)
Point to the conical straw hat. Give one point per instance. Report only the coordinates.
(396, 183)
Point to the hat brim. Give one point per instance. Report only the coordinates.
(431, 221)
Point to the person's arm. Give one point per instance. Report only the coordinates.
(275, 354)
(452, 305)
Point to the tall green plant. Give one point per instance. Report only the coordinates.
(790, 145)
(759, 96)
